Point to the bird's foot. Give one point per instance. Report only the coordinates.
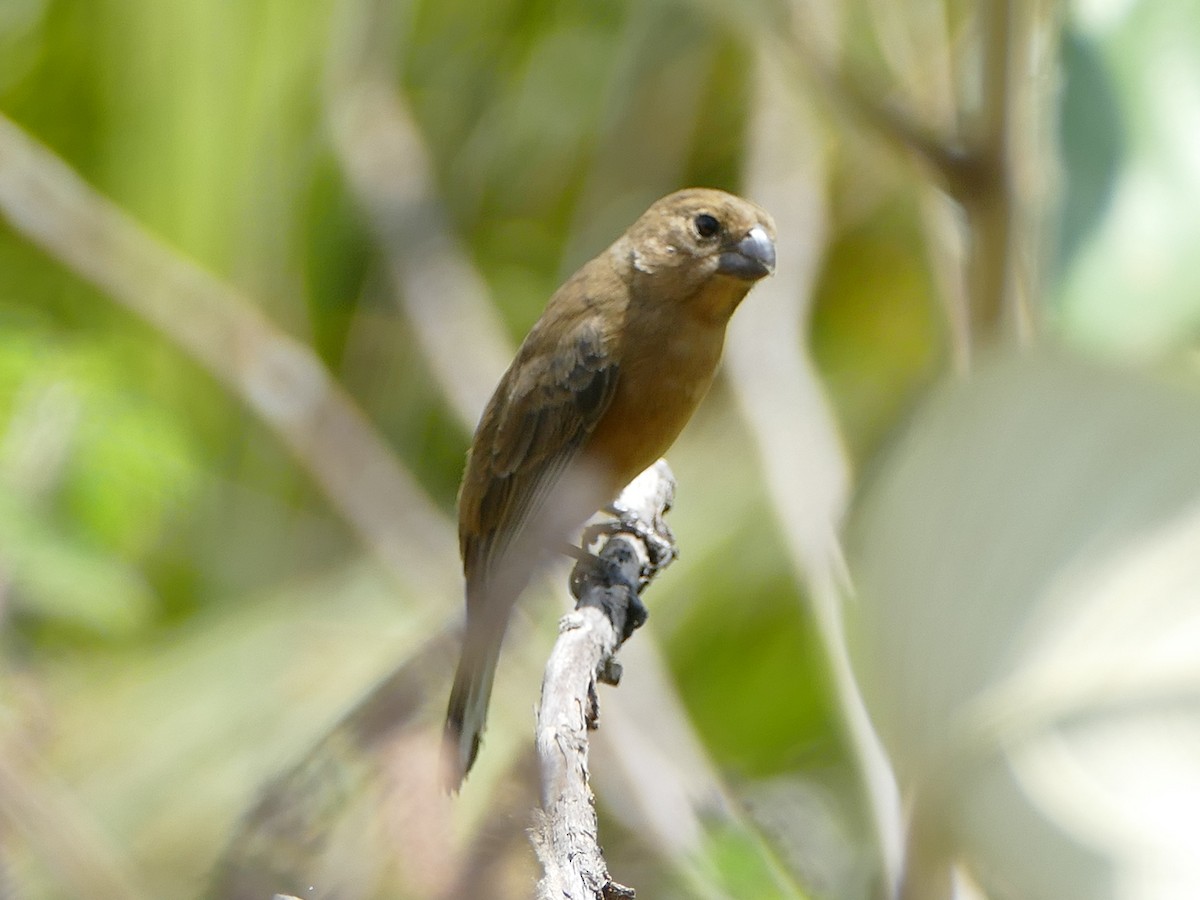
(591, 569)
(603, 582)
(657, 536)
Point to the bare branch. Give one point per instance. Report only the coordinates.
(609, 609)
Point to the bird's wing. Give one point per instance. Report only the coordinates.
(543, 412)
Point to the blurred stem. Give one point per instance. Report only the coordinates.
(781, 397)
(390, 172)
(983, 184)
(945, 250)
(278, 377)
(975, 169)
(928, 874)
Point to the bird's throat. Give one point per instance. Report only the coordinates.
(716, 301)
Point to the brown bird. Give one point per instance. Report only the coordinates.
(600, 388)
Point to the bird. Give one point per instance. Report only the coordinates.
(600, 387)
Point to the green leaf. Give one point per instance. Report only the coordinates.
(56, 577)
(1028, 625)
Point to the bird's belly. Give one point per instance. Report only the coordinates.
(651, 406)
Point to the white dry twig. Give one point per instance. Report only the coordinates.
(565, 832)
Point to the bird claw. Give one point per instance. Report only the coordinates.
(658, 538)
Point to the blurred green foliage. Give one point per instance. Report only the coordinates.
(188, 611)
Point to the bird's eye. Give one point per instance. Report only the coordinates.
(706, 226)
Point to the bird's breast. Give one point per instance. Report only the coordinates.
(664, 374)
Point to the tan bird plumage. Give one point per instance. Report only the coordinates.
(599, 389)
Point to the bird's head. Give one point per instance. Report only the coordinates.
(702, 246)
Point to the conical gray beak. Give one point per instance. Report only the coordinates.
(750, 258)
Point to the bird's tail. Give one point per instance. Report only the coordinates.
(469, 698)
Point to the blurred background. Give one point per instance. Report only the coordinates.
(260, 267)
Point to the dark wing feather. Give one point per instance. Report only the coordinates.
(543, 412)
